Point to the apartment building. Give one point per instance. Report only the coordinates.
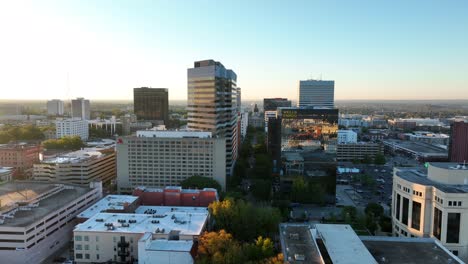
(115, 236)
(37, 219)
(165, 158)
(21, 157)
(72, 127)
(433, 204)
(78, 167)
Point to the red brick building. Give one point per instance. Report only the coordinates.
(458, 147)
(21, 157)
(176, 196)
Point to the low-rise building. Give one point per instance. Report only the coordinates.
(115, 236)
(358, 151)
(165, 251)
(37, 219)
(176, 196)
(72, 127)
(418, 150)
(111, 204)
(429, 137)
(78, 167)
(346, 136)
(6, 174)
(166, 158)
(433, 204)
(21, 157)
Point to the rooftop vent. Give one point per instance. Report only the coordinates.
(99, 220)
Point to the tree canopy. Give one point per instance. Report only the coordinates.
(200, 182)
(65, 143)
(27, 132)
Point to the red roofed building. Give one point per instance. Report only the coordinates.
(176, 196)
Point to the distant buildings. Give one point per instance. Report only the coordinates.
(212, 104)
(72, 127)
(458, 148)
(37, 219)
(165, 158)
(256, 120)
(316, 93)
(131, 125)
(151, 104)
(244, 123)
(346, 136)
(428, 137)
(55, 107)
(271, 104)
(20, 157)
(412, 123)
(80, 108)
(418, 150)
(433, 204)
(176, 196)
(358, 151)
(78, 167)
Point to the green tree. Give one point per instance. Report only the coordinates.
(261, 189)
(379, 159)
(374, 209)
(200, 182)
(65, 143)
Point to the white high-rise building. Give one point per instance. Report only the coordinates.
(80, 108)
(347, 136)
(55, 107)
(72, 127)
(212, 104)
(433, 204)
(316, 93)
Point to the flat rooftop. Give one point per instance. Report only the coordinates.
(171, 245)
(32, 193)
(417, 147)
(110, 202)
(408, 250)
(173, 134)
(76, 156)
(156, 222)
(6, 169)
(419, 176)
(296, 240)
(342, 243)
(145, 209)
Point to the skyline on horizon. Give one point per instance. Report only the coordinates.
(102, 50)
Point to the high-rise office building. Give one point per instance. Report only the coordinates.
(151, 104)
(458, 146)
(316, 93)
(212, 104)
(72, 127)
(308, 136)
(80, 108)
(55, 107)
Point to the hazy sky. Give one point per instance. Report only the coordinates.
(372, 49)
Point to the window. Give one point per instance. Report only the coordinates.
(78, 247)
(78, 238)
(437, 229)
(453, 227)
(86, 238)
(416, 215)
(97, 239)
(79, 256)
(404, 214)
(86, 247)
(398, 208)
(86, 256)
(455, 252)
(97, 247)
(97, 256)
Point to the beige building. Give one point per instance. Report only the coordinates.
(433, 204)
(37, 219)
(165, 158)
(78, 167)
(357, 151)
(115, 236)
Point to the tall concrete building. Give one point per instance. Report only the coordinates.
(212, 104)
(316, 93)
(80, 108)
(55, 107)
(458, 146)
(166, 158)
(151, 104)
(433, 204)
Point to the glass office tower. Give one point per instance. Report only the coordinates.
(212, 104)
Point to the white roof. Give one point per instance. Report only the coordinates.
(185, 223)
(173, 134)
(170, 245)
(75, 156)
(343, 244)
(110, 202)
(170, 209)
